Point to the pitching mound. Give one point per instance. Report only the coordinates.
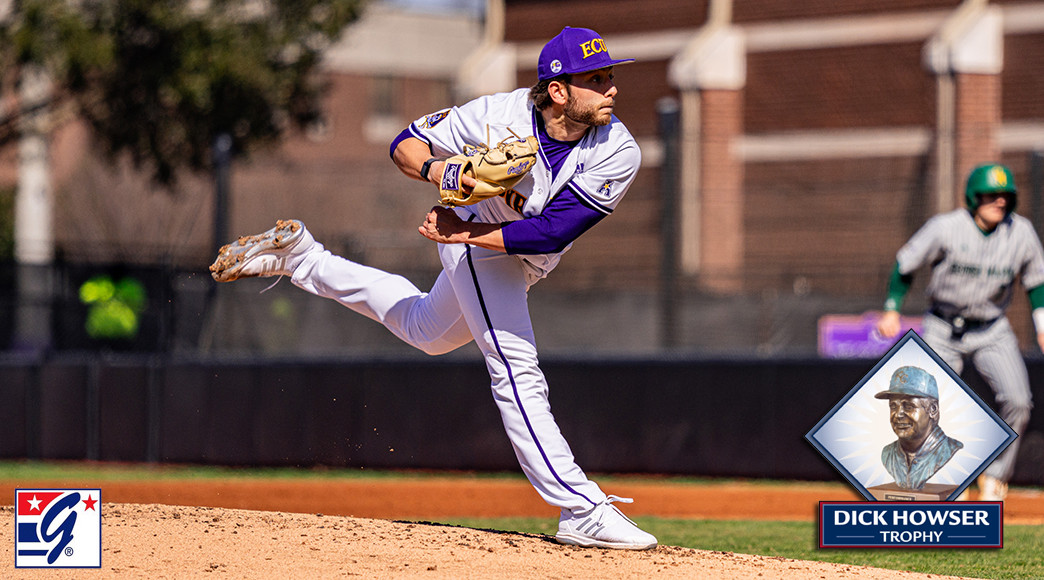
(164, 541)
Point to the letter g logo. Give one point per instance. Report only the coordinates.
(65, 529)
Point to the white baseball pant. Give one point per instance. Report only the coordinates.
(995, 353)
(480, 295)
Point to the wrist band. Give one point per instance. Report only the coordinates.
(426, 168)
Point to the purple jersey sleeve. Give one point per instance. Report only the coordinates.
(561, 222)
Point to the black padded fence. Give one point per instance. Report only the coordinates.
(727, 418)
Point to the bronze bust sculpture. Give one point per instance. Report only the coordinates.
(922, 448)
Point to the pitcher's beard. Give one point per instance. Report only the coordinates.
(587, 116)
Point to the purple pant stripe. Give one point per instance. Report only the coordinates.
(511, 377)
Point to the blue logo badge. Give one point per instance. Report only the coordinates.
(58, 528)
(434, 119)
(451, 176)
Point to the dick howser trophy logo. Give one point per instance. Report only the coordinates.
(58, 528)
(910, 437)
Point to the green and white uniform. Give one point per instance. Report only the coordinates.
(972, 280)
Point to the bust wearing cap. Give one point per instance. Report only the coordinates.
(913, 410)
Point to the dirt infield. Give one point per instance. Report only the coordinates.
(342, 528)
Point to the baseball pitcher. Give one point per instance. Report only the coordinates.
(975, 255)
(520, 176)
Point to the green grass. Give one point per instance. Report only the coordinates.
(1021, 557)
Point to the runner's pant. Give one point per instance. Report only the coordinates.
(994, 351)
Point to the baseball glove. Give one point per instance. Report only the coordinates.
(495, 169)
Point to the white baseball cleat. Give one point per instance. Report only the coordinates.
(603, 526)
(273, 253)
(992, 489)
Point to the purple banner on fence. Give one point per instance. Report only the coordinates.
(856, 336)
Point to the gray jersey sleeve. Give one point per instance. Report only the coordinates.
(1033, 260)
(973, 273)
(925, 246)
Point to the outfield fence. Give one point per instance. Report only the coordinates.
(701, 417)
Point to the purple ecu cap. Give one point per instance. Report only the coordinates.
(574, 50)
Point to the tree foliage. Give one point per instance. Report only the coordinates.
(160, 79)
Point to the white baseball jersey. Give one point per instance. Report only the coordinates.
(481, 294)
(599, 169)
(972, 273)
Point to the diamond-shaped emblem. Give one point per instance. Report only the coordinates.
(911, 429)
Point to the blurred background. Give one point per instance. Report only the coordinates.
(789, 149)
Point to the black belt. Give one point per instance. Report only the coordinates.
(961, 324)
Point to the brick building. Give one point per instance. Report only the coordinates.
(814, 138)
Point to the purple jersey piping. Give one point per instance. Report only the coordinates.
(537, 128)
(560, 223)
(587, 200)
